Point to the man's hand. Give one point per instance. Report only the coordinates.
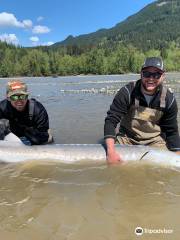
(112, 156)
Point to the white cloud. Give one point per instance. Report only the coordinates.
(9, 20)
(27, 23)
(40, 29)
(40, 18)
(34, 39)
(9, 38)
(47, 43)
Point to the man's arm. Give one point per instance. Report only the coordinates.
(112, 155)
(117, 109)
(169, 126)
(38, 133)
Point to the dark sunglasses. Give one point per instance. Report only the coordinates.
(18, 97)
(155, 75)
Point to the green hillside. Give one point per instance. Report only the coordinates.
(153, 31)
(153, 27)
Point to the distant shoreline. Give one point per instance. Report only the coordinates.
(81, 75)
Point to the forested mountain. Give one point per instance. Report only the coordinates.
(153, 31)
(153, 27)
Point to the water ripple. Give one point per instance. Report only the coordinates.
(5, 203)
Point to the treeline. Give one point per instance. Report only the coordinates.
(103, 59)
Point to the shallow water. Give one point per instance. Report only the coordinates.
(100, 202)
(88, 202)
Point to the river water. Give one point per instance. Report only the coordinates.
(100, 202)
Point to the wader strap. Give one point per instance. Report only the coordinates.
(31, 109)
(163, 96)
(136, 100)
(133, 83)
(136, 103)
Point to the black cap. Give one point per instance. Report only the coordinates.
(154, 62)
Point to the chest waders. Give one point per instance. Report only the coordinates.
(140, 125)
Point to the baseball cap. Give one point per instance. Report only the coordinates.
(16, 87)
(154, 62)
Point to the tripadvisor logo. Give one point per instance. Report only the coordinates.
(139, 231)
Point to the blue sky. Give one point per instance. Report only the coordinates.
(44, 22)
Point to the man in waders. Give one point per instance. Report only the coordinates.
(22, 118)
(146, 111)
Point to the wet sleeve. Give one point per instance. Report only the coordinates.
(169, 126)
(38, 133)
(1, 112)
(117, 110)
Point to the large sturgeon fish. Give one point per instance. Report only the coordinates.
(12, 152)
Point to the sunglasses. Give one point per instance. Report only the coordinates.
(18, 97)
(155, 75)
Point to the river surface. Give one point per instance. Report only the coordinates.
(99, 202)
